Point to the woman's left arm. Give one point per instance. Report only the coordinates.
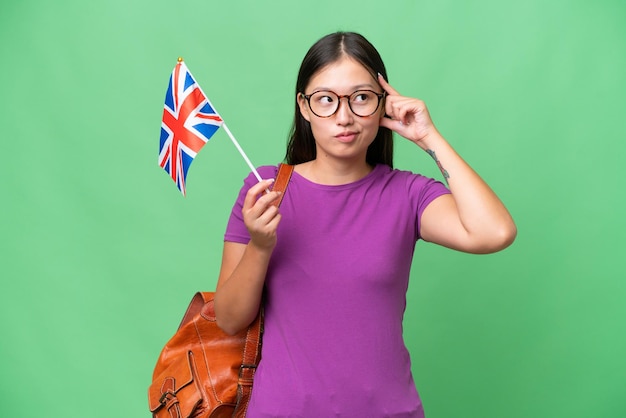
(472, 218)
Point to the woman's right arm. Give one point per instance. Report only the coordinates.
(244, 266)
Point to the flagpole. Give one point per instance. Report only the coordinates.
(243, 154)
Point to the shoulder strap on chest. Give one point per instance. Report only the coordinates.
(282, 181)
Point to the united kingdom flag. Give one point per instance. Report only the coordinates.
(189, 121)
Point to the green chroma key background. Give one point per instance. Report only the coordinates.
(101, 253)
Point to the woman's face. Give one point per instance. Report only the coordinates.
(343, 135)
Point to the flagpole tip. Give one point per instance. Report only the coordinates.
(180, 59)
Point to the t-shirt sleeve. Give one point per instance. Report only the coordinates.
(423, 190)
(236, 230)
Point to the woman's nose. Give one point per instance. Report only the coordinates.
(344, 113)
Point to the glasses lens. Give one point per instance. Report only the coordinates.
(324, 103)
(363, 102)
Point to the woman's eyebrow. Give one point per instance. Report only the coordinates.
(354, 88)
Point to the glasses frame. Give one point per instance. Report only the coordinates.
(347, 96)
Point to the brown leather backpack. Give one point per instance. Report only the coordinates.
(202, 371)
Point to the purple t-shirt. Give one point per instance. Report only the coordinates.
(335, 295)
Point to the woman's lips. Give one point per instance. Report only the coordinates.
(346, 136)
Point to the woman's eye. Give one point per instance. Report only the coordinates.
(361, 97)
(325, 99)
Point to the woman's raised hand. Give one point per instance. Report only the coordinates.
(407, 116)
(260, 216)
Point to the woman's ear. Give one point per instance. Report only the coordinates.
(304, 107)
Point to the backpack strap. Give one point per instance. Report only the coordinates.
(282, 180)
(251, 357)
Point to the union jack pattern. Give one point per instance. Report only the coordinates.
(189, 121)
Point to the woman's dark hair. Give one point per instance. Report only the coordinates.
(330, 49)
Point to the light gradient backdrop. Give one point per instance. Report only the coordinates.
(101, 254)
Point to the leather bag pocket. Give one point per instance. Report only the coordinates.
(176, 387)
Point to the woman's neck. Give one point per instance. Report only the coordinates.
(333, 172)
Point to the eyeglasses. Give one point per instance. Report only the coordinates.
(325, 103)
